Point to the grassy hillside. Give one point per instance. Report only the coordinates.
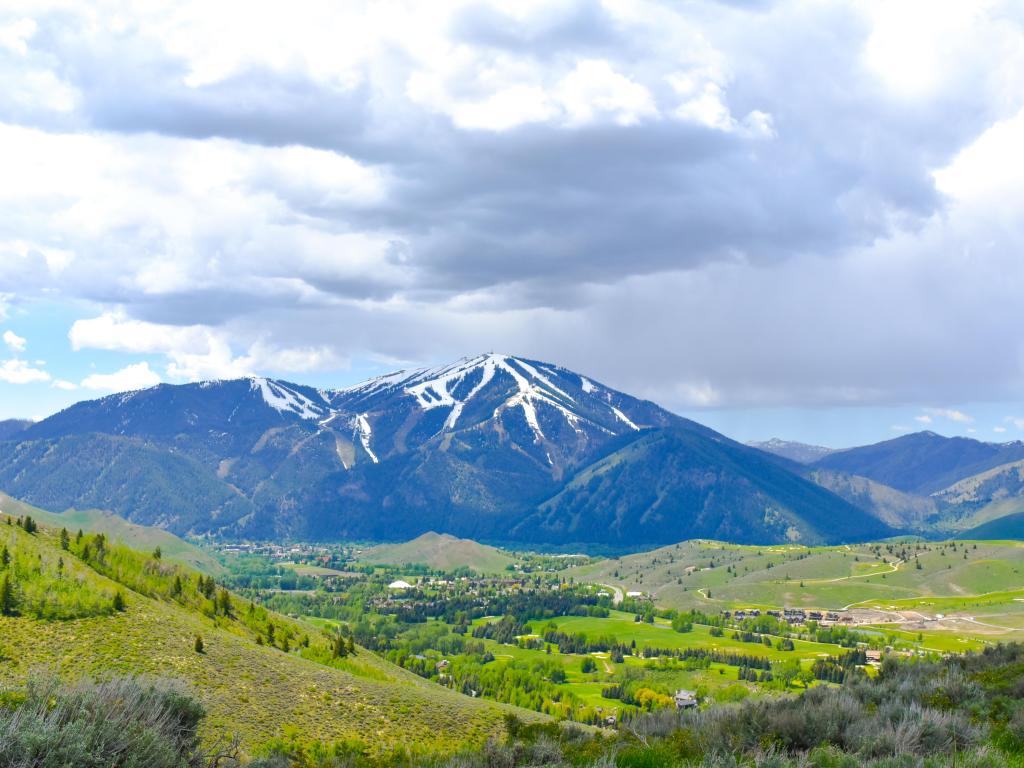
(441, 551)
(713, 575)
(98, 608)
(140, 537)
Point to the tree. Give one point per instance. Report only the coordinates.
(8, 600)
(198, 645)
(338, 647)
(119, 604)
(350, 646)
(157, 553)
(65, 539)
(588, 665)
(29, 524)
(5, 557)
(176, 587)
(224, 602)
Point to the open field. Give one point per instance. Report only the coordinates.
(971, 589)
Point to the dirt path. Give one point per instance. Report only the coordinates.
(618, 595)
(894, 566)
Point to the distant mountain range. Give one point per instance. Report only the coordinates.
(924, 462)
(799, 452)
(492, 447)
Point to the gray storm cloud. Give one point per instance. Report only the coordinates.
(715, 203)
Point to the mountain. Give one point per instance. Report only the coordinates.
(9, 428)
(799, 452)
(491, 447)
(897, 509)
(922, 463)
(440, 551)
(676, 484)
(1002, 482)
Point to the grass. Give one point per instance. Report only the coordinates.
(442, 552)
(254, 691)
(141, 537)
(829, 578)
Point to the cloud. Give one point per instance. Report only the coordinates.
(634, 189)
(67, 386)
(923, 418)
(195, 352)
(999, 430)
(129, 378)
(1015, 421)
(952, 414)
(14, 342)
(16, 371)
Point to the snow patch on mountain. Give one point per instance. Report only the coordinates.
(624, 419)
(365, 433)
(285, 400)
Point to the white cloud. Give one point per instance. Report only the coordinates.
(16, 371)
(952, 414)
(14, 342)
(923, 418)
(594, 88)
(131, 377)
(195, 352)
(64, 384)
(1016, 421)
(1000, 430)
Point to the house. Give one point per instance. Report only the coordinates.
(685, 699)
(873, 657)
(442, 665)
(399, 585)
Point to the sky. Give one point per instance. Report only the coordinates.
(795, 219)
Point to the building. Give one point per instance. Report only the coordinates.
(685, 699)
(399, 585)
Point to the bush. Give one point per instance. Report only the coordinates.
(120, 722)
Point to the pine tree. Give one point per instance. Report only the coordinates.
(350, 646)
(157, 553)
(284, 645)
(29, 524)
(5, 557)
(198, 645)
(78, 536)
(119, 604)
(8, 600)
(338, 647)
(176, 587)
(224, 602)
(65, 539)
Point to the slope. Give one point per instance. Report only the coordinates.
(470, 449)
(673, 484)
(68, 622)
(139, 537)
(923, 462)
(441, 551)
(899, 510)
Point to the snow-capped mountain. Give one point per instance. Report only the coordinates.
(546, 412)
(790, 449)
(492, 446)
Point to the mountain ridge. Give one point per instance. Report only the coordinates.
(472, 448)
